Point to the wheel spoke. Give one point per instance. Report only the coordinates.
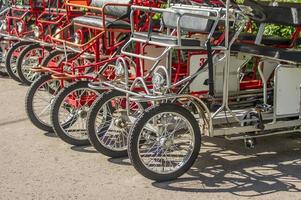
(114, 122)
(167, 149)
(73, 110)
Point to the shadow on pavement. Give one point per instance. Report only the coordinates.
(225, 166)
(120, 161)
(50, 134)
(84, 149)
(13, 121)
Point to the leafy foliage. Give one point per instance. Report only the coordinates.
(277, 30)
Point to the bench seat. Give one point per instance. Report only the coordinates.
(97, 22)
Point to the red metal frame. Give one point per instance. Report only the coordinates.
(102, 35)
(18, 14)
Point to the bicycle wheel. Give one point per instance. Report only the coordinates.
(38, 101)
(11, 59)
(31, 56)
(109, 122)
(69, 112)
(164, 142)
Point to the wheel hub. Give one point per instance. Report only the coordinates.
(82, 113)
(120, 123)
(166, 143)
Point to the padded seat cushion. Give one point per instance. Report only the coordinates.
(37, 4)
(283, 15)
(187, 22)
(162, 38)
(97, 22)
(277, 14)
(113, 10)
(282, 54)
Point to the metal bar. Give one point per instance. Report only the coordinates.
(246, 129)
(261, 135)
(260, 66)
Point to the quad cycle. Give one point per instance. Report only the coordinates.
(16, 26)
(59, 100)
(108, 134)
(35, 44)
(41, 51)
(159, 120)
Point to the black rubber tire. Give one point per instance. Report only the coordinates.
(29, 104)
(55, 113)
(21, 58)
(29, 98)
(8, 58)
(92, 115)
(139, 125)
(53, 54)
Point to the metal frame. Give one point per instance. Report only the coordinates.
(210, 119)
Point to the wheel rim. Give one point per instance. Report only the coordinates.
(2, 57)
(112, 123)
(43, 99)
(73, 111)
(32, 59)
(54, 61)
(166, 143)
(13, 60)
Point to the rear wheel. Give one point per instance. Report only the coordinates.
(11, 59)
(69, 112)
(164, 142)
(108, 123)
(30, 57)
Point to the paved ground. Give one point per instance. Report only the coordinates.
(37, 165)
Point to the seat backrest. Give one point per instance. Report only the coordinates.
(80, 2)
(114, 10)
(276, 13)
(289, 16)
(54, 3)
(34, 3)
(187, 22)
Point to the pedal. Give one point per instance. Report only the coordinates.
(250, 143)
(263, 107)
(260, 108)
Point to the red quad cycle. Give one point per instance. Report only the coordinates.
(16, 28)
(118, 125)
(49, 22)
(90, 43)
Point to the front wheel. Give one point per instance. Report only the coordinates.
(30, 57)
(164, 142)
(53, 59)
(109, 123)
(38, 101)
(69, 113)
(11, 59)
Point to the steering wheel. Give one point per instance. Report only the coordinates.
(253, 10)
